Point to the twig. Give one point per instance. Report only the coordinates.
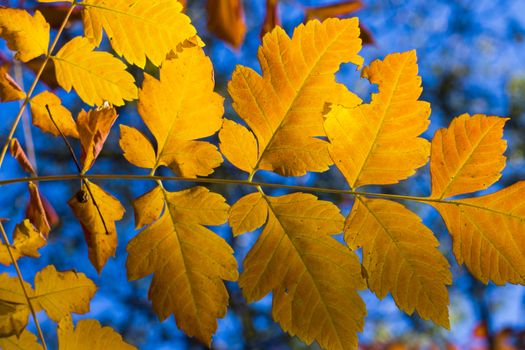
(79, 168)
(21, 279)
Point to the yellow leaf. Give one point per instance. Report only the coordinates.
(9, 89)
(60, 293)
(137, 148)
(314, 278)
(14, 312)
(26, 341)
(467, 156)
(378, 143)
(238, 145)
(93, 128)
(101, 235)
(96, 76)
(178, 109)
(489, 234)
(138, 28)
(60, 114)
(26, 242)
(89, 335)
(187, 260)
(148, 207)
(400, 256)
(284, 107)
(248, 213)
(27, 35)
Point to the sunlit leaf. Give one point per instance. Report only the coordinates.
(26, 243)
(9, 89)
(26, 341)
(61, 115)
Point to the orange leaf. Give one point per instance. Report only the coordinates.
(93, 128)
(9, 89)
(18, 153)
(271, 19)
(226, 20)
(334, 10)
(101, 243)
(36, 211)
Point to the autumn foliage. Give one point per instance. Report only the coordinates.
(293, 118)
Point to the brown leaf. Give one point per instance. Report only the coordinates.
(93, 128)
(18, 153)
(271, 19)
(36, 211)
(9, 89)
(334, 10)
(55, 14)
(226, 21)
(101, 244)
(48, 76)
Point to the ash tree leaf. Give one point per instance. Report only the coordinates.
(93, 128)
(178, 109)
(61, 115)
(400, 256)
(14, 312)
(314, 278)
(96, 76)
(248, 213)
(188, 261)
(100, 234)
(9, 89)
(226, 21)
(88, 335)
(378, 142)
(26, 341)
(138, 28)
(467, 156)
(61, 293)
(26, 242)
(36, 210)
(487, 231)
(284, 106)
(20, 155)
(27, 35)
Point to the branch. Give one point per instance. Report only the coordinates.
(21, 279)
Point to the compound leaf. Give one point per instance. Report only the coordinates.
(188, 261)
(284, 106)
(400, 256)
(378, 142)
(138, 28)
(96, 76)
(314, 278)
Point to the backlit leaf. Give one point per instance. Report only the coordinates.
(179, 109)
(238, 144)
(467, 156)
(89, 335)
(20, 155)
(26, 341)
(61, 293)
(248, 213)
(489, 234)
(14, 312)
(284, 107)
(314, 278)
(138, 28)
(26, 242)
(27, 35)
(96, 76)
(137, 148)
(36, 211)
(60, 114)
(188, 261)
(100, 234)
(400, 256)
(93, 128)
(379, 143)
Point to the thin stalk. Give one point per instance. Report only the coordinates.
(33, 85)
(79, 168)
(21, 279)
(128, 177)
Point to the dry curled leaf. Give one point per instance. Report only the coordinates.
(9, 89)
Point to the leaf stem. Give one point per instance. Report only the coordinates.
(129, 177)
(79, 168)
(33, 85)
(21, 279)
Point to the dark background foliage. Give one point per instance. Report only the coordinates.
(472, 59)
